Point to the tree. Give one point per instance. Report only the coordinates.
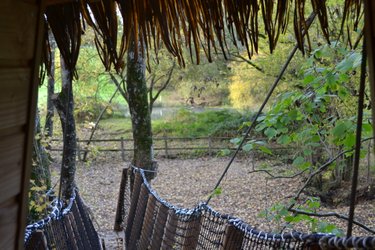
(139, 107)
(64, 104)
(48, 127)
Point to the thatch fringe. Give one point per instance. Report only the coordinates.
(65, 23)
(200, 25)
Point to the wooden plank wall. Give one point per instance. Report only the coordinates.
(20, 49)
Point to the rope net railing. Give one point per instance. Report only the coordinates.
(153, 223)
(64, 228)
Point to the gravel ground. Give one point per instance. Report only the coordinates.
(186, 182)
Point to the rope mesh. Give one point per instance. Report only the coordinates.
(73, 229)
(154, 223)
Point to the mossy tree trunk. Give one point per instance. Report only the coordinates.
(64, 104)
(137, 97)
(48, 127)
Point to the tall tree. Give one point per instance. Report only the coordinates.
(48, 127)
(64, 104)
(139, 106)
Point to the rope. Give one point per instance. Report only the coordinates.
(205, 228)
(56, 213)
(135, 168)
(362, 86)
(269, 94)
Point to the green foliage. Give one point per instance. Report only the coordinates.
(192, 124)
(279, 213)
(318, 114)
(216, 192)
(252, 145)
(38, 201)
(249, 85)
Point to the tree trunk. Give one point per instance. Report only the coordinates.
(139, 110)
(40, 172)
(64, 104)
(48, 126)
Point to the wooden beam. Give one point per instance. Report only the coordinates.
(33, 99)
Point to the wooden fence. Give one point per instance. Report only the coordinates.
(166, 146)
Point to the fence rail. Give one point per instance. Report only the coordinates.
(164, 145)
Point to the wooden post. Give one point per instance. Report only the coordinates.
(120, 212)
(166, 145)
(37, 241)
(122, 149)
(209, 145)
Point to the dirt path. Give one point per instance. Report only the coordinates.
(185, 183)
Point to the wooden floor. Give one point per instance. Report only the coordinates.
(112, 240)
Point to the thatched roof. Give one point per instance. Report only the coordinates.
(196, 24)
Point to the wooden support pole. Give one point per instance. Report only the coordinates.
(120, 212)
(37, 241)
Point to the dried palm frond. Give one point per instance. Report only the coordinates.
(102, 16)
(65, 23)
(200, 25)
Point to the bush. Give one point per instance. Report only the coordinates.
(194, 124)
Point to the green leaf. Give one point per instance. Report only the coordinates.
(367, 128)
(235, 141)
(345, 65)
(270, 132)
(216, 192)
(265, 150)
(284, 139)
(298, 161)
(307, 152)
(224, 152)
(308, 79)
(339, 130)
(248, 147)
(349, 140)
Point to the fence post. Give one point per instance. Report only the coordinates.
(122, 149)
(209, 145)
(166, 145)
